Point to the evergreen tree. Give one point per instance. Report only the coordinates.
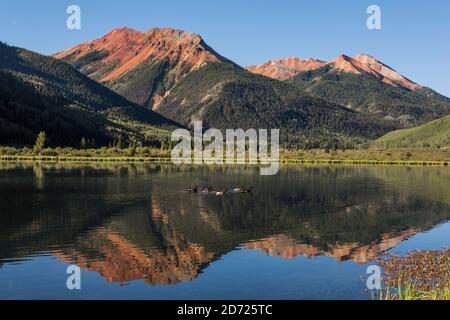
(40, 143)
(83, 143)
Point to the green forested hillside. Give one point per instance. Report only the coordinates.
(433, 134)
(225, 96)
(368, 95)
(24, 113)
(39, 93)
(142, 84)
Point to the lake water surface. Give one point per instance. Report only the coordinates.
(307, 233)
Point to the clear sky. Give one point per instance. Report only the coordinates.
(414, 39)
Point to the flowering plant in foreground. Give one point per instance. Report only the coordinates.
(420, 275)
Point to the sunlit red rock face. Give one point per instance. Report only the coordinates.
(288, 248)
(360, 64)
(285, 68)
(123, 51)
(365, 63)
(386, 72)
(126, 48)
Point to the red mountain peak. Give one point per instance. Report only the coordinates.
(283, 69)
(125, 48)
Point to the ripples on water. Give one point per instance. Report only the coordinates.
(136, 222)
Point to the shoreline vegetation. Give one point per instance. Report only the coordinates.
(401, 156)
(420, 275)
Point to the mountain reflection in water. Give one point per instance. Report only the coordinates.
(133, 222)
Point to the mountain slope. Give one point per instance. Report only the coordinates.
(368, 65)
(361, 64)
(383, 72)
(435, 133)
(372, 95)
(178, 74)
(141, 66)
(40, 93)
(283, 69)
(225, 96)
(365, 84)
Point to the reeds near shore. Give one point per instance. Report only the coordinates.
(420, 275)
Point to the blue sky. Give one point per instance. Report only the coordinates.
(415, 35)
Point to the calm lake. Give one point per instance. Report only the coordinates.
(309, 232)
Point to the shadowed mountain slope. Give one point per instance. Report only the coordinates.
(40, 93)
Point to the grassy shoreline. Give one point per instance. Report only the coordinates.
(169, 160)
(402, 157)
